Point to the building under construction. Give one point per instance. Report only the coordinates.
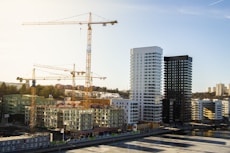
(77, 118)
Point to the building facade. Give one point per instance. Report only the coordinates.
(131, 112)
(197, 110)
(76, 118)
(206, 110)
(145, 82)
(226, 108)
(24, 143)
(220, 89)
(15, 103)
(108, 117)
(178, 87)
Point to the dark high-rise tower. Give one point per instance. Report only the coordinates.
(177, 89)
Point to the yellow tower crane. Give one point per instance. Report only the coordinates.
(33, 94)
(88, 81)
(72, 72)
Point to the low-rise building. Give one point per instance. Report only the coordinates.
(206, 109)
(62, 116)
(77, 118)
(15, 103)
(24, 142)
(108, 116)
(197, 110)
(226, 108)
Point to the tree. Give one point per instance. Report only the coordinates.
(12, 90)
(24, 90)
(3, 89)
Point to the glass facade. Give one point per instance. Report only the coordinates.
(178, 88)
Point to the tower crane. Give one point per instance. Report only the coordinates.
(33, 94)
(72, 72)
(89, 23)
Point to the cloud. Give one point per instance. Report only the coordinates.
(189, 12)
(216, 2)
(227, 16)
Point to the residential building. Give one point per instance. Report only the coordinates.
(130, 107)
(197, 110)
(178, 88)
(167, 110)
(206, 109)
(209, 89)
(77, 118)
(80, 94)
(15, 103)
(145, 82)
(108, 117)
(226, 108)
(214, 89)
(24, 142)
(212, 110)
(62, 116)
(228, 89)
(220, 89)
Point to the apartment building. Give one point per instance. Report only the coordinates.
(15, 103)
(24, 142)
(145, 82)
(197, 110)
(131, 110)
(65, 116)
(226, 108)
(76, 118)
(206, 109)
(178, 87)
(220, 89)
(108, 116)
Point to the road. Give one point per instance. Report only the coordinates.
(98, 141)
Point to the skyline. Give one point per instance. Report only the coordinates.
(196, 28)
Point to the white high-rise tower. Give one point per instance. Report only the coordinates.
(145, 81)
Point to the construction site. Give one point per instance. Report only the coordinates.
(76, 118)
(37, 122)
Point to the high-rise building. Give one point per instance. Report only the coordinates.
(209, 89)
(177, 89)
(220, 89)
(145, 82)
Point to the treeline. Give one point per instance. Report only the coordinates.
(44, 91)
(204, 95)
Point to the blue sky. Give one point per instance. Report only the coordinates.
(198, 28)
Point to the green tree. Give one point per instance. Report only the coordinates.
(3, 89)
(24, 90)
(11, 90)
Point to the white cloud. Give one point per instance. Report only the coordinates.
(189, 12)
(216, 2)
(227, 16)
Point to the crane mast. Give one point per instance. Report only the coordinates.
(32, 109)
(73, 83)
(88, 83)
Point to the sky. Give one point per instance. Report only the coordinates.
(198, 28)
